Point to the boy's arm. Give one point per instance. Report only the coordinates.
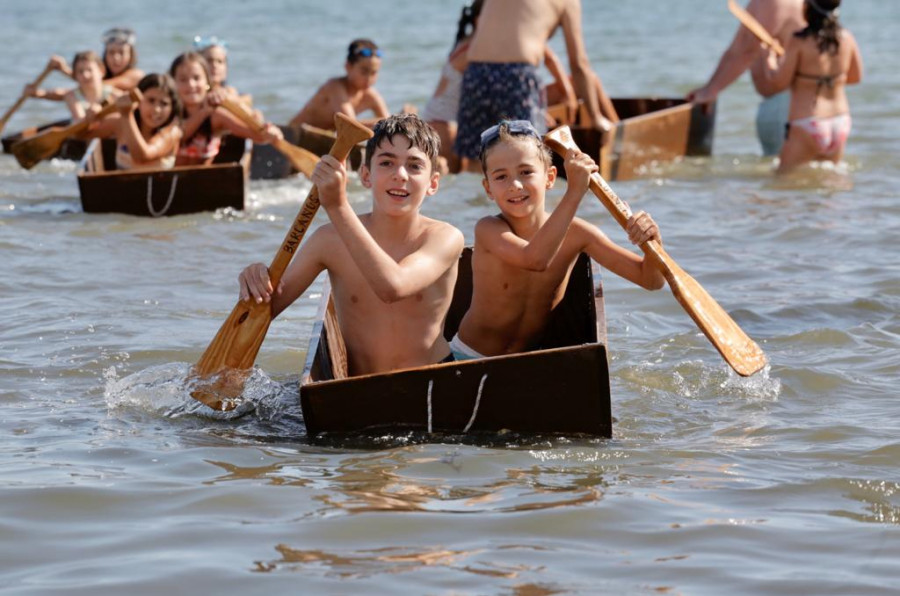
(389, 279)
(308, 263)
(75, 107)
(621, 261)
(537, 253)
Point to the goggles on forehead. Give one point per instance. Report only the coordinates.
(201, 42)
(366, 52)
(514, 127)
(119, 35)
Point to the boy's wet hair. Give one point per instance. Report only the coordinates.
(166, 84)
(361, 48)
(506, 132)
(89, 56)
(409, 126)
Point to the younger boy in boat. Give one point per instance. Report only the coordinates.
(523, 256)
(392, 270)
(350, 94)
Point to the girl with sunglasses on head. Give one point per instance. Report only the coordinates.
(350, 94)
(205, 123)
(523, 255)
(819, 62)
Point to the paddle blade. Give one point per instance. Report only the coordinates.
(29, 152)
(739, 351)
(231, 354)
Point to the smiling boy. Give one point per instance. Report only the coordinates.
(523, 256)
(392, 270)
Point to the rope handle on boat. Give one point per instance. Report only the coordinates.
(168, 204)
(474, 410)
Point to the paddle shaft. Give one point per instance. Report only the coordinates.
(47, 70)
(300, 158)
(755, 27)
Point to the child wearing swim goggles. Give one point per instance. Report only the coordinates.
(523, 255)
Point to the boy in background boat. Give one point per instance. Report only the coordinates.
(523, 256)
(392, 270)
(350, 94)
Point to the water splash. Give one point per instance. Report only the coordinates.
(165, 390)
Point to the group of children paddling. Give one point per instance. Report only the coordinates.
(173, 119)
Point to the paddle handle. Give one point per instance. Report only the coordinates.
(349, 133)
(238, 110)
(754, 26)
(47, 70)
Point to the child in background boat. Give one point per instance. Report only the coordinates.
(120, 58)
(203, 122)
(91, 93)
(88, 71)
(819, 62)
(147, 133)
(119, 65)
(523, 256)
(350, 94)
(392, 270)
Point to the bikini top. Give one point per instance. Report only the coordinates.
(201, 145)
(822, 81)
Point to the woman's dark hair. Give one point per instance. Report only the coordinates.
(165, 83)
(467, 21)
(822, 23)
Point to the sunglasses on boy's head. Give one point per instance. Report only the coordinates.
(367, 52)
(514, 127)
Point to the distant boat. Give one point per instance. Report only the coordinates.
(652, 131)
(563, 387)
(158, 192)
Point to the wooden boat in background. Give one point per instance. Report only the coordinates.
(73, 149)
(268, 163)
(561, 388)
(158, 192)
(652, 131)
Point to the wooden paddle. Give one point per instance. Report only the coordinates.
(233, 350)
(303, 161)
(755, 28)
(29, 152)
(47, 70)
(739, 351)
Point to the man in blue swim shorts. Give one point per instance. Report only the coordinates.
(501, 82)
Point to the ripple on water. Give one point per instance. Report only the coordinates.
(165, 390)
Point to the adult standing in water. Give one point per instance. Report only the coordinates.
(501, 80)
(781, 18)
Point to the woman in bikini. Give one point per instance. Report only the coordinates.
(819, 62)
